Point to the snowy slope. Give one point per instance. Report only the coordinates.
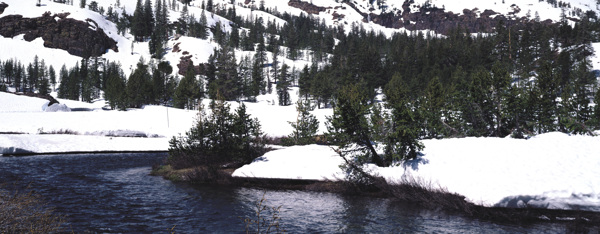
(25, 52)
(130, 52)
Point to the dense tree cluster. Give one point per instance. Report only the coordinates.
(35, 77)
(512, 82)
(218, 138)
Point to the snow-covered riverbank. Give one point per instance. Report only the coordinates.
(552, 170)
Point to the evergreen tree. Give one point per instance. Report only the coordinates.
(304, 82)
(148, 19)
(283, 87)
(85, 82)
(189, 92)
(139, 86)
(19, 76)
(44, 87)
(209, 5)
(349, 125)
(218, 138)
(138, 26)
(433, 109)
(546, 94)
(182, 27)
(306, 125)
(403, 140)
(226, 82)
(64, 79)
(500, 92)
(160, 82)
(115, 88)
(202, 27)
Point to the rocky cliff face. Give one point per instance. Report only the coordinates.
(79, 38)
(305, 6)
(430, 18)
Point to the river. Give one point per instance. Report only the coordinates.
(114, 193)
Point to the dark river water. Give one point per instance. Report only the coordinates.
(115, 193)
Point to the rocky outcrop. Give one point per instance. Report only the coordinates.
(429, 17)
(79, 38)
(305, 6)
(442, 22)
(3, 6)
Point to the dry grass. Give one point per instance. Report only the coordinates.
(25, 212)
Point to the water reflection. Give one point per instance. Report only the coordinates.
(115, 193)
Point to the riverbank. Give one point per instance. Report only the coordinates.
(410, 191)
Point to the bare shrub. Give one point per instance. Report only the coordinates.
(264, 223)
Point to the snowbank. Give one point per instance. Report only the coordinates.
(552, 170)
(312, 162)
(19, 144)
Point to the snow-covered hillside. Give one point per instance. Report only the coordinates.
(130, 52)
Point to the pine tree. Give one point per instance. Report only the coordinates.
(64, 78)
(138, 26)
(433, 109)
(500, 91)
(188, 92)
(158, 38)
(349, 125)
(283, 87)
(546, 92)
(148, 19)
(218, 138)
(227, 82)
(182, 27)
(139, 86)
(202, 27)
(44, 87)
(304, 82)
(209, 5)
(160, 82)
(306, 125)
(115, 90)
(403, 141)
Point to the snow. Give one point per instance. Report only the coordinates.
(296, 162)
(73, 143)
(552, 170)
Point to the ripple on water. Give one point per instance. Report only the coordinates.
(115, 193)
